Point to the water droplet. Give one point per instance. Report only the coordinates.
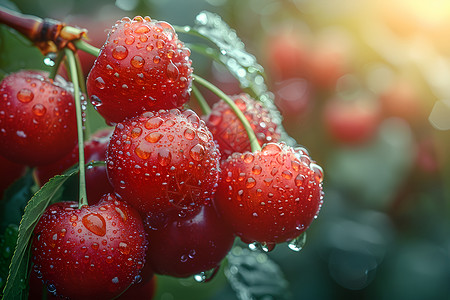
(25, 95)
(153, 123)
(129, 40)
(154, 137)
(100, 83)
(95, 223)
(256, 170)
(124, 248)
(172, 72)
(160, 44)
(271, 149)
(156, 59)
(51, 288)
(189, 134)
(120, 52)
(115, 280)
(142, 152)
(137, 62)
(197, 152)
(149, 47)
(39, 110)
(248, 158)
(299, 179)
(73, 218)
(206, 276)
(318, 172)
(136, 132)
(298, 243)
(286, 174)
(21, 134)
(164, 156)
(251, 182)
(142, 29)
(94, 246)
(122, 214)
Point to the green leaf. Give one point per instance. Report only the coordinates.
(8, 241)
(253, 276)
(232, 54)
(15, 199)
(51, 192)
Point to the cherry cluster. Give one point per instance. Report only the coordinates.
(177, 187)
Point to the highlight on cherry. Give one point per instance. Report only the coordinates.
(171, 183)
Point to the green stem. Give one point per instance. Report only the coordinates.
(88, 48)
(201, 101)
(82, 200)
(55, 68)
(83, 88)
(239, 114)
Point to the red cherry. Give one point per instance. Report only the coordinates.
(97, 183)
(351, 122)
(37, 118)
(188, 245)
(141, 67)
(270, 196)
(228, 130)
(9, 172)
(163, 160)
(95, 252)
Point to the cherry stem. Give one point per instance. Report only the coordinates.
(82, 200)
(55, 68)
(254, 144)
(206, 110)
(86, 47)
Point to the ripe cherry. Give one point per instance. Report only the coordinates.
(188, 244)
(95, 252)
(9, 172)
(228, 130)
(351, 122)
(163, 160)
(37, 118)
(269, 196)
(142, 66)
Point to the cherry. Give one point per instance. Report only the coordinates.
(95, 252)
(142, 66)
(229, 132)
(188, 244)
(37, 118)
(269, 196)
(97, 183)
(9, 172)
(351, 122)
(163, 160)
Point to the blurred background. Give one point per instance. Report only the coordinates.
(364, 85)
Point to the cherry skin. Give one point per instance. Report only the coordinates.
(37, 118)
(188, 244)
(9, 172)
(142, 66)
(97, 183)
(228, 130)
(163, 160)
(269, 196)
(95, 252)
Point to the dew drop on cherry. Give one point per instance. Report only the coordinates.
(25, 95)
(153, 123)
(154, 137)
(298, 243)
(189, 134)
(164, 156)
(95, 223)
(39, 110)
(197, 152)
(141, 152)
(100, 83)
(120, 52)
(172, 72)
(137, 62)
